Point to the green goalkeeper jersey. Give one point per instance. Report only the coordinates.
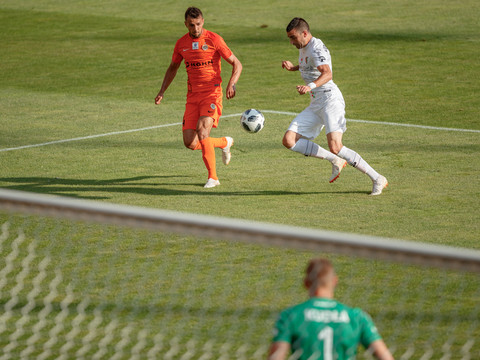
(324, 329)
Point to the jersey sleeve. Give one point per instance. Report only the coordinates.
(222, 47)
(177, 57)
(321, 55)
(369, 332)
(281, 331)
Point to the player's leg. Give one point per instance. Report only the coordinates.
(226, 153)
(212, 106)
(335, 125)
(354, 159)
(196, 133)
(190, 139)
(307, 126)
(201, 114)
(198, 106)
(189, 125)
(296, 142)
(204, 126)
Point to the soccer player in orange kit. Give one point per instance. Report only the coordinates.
(202, 50)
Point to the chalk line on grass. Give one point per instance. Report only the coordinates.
(228, 116)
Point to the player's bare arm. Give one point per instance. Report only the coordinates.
(287, 65)
(326, 76)
(279, 350)
(167, 80)
(380, 350)
(236, 71)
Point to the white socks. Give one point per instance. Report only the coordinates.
(356, 161)
(309, 148)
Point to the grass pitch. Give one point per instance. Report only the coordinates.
(90, 68)
(83, 70)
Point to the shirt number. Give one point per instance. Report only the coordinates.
(326, 336)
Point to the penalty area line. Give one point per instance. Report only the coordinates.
(229, 116)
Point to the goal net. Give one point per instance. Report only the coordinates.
(90, 280)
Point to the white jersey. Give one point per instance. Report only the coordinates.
(310, 57)
(327, 107)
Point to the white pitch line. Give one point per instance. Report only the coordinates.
(88, 137)
(383, 123)
(227, 116)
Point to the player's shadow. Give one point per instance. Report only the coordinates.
(75, 187)
(78, 188)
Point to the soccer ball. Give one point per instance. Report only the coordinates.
(252, 120)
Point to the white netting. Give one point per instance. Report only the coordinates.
(88, 289)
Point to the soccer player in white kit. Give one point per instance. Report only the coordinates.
(326, 109)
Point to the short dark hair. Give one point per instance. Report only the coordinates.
(318, 272)
(193, 12)
(298, 24)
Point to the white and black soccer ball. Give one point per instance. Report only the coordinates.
(252, 120)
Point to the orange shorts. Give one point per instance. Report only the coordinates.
(202, 104)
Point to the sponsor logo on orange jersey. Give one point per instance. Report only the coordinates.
(198, 64)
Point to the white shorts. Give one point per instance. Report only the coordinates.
(326, 109)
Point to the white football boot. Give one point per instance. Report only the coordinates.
(337, 166)
(226, 154)
(378, 185)
(211, 183)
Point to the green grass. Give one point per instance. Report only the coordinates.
(190, 289)
(71, 70)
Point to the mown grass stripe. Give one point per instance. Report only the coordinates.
(227, 116)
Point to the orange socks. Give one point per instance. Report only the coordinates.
(208, 146)
(208, 154)
(217, 143)
(220, 142)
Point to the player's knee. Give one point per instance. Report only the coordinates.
(288, 141)
(203, 133)
(335, 147)
(190, 144)
(334, 140)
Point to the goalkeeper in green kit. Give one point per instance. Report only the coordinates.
(322, 328)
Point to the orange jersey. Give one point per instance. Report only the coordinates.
(202, 59)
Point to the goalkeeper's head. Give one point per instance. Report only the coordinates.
(320, 278)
